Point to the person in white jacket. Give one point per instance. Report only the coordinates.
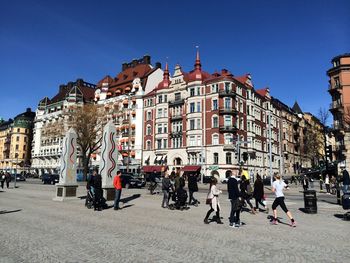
(213, 196)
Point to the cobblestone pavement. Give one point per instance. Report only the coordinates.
(36, 229)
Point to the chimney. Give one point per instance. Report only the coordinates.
(29, 110)
(124, 66)
(70, 84)
(80, 82)
(147, 59)
(134, 62)
(158, 65)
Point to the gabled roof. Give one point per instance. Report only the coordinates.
(262, 92)
(107, 79)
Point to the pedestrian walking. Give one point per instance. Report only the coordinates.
(247, 192)
(117, 182)
(213, 201)
(305, 183)
(2, 179)
(321, 182)
(277, 187)
(327, 184)
(192, 188)
(346, 180)
(97, 185)
(166, 185)
(259, 194)
(234, 197)
(8, 180)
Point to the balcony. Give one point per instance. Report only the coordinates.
(335, 105)
(176, 102)
(227, 93)
(231, 129)
(334, 89)
(228, 111)
(229, 147)
(126, 134)
(337, 125)
(177, 117)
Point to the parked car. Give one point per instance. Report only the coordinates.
(19, 177)
(128, 180)
(50, 178)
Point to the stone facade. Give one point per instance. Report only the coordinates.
(15, 142)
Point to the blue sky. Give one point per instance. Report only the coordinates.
(286, 45)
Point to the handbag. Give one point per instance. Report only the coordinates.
(208, 201)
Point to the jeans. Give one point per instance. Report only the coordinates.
(345, 188)
(165, 198)
(118, 193)
(235, 211)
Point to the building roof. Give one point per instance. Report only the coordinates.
(197, 73)
(345, 55)
(107, 79)
(296, 108)
(164, 84)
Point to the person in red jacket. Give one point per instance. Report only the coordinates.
(117, 182)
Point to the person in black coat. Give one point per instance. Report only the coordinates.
(96, 183)
(246, 192)
(346, 180)
(234, 196)
(192, 188)
(259, 193)
(305, 183)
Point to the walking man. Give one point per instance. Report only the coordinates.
(233, 195)
(166, 185)
(117, 182)
(277, 187)
(192, 187)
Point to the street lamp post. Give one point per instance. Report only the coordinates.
(16, 156)
(270, 149)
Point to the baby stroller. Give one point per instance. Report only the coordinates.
(89, 201)
(180, 198)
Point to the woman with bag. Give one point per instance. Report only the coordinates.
(246, 192)
(213, 201)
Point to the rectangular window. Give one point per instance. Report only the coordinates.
(216, 158)
(160, 113)
(192, 106)
(215, 88)
(165, 143)
(215, 122)
(192, 125)
(192, 141)
(227, 103)
(160, 128)
(159, 144)
(17, 138)
(24, 147)
(199, 140)
(228, 158)
(149, 115)
(192, 92)
(198, 91)
(227, 86)
(165, 98)
(160, 99)
(177, 96)
(198, 107)
(215, 139)
(215, 105)
(227, 121)
(198, 123)
(17, 146)
(165, 128)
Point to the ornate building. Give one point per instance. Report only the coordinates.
(122, 100)
(47, 147)
(339, 83)
(15, 142)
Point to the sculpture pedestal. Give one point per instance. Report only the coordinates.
(109, 194)
(65, 192)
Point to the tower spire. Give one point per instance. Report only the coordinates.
(197, 64)
(166, 71)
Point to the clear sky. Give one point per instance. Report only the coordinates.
(286, 45)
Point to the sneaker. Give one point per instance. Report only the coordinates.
(236, 225)
(231, 225)
(274, 222)
(293, 224)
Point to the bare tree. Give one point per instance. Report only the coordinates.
(323, 115)
(88, 121)
(313, 144)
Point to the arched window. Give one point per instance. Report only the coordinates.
(149, 130)
(228, 138)
(148, 145)
(215, 139)
(215, 121)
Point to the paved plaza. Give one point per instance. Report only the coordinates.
(36, 229)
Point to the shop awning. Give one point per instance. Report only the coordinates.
(191, 168)
(152, 168)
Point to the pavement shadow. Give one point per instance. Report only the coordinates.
(82, 197)
(345, 217)
(8, 212)
(130, 198)
(126, 206)
(306, 211)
